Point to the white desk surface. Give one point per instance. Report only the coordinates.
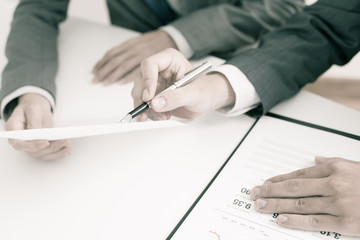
(122, 186)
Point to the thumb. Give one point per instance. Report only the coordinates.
(171, 100)
(33, 118)
(322, 160)
(17, 120)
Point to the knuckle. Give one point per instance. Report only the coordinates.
(336, 186)
(113, 64)
(337, 166)
(314, 221)
(300, 173)
(300, 204)
(291, 185)
(267, 189)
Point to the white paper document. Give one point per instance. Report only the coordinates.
(86, 131)
(273, 147)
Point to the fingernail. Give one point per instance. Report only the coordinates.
(158, 103)
(145, 95)
(255, 193)
(260, 203)
(95, 80)
(282, 219)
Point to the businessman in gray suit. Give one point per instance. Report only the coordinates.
(324, 197)
(196, 28)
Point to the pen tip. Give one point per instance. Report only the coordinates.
(126, 119)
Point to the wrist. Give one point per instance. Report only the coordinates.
(222, 93)
(181, 42)
(168, 41)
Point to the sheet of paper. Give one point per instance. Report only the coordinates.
(273, 147)
(86, 131)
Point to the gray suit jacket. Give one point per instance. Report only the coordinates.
(210, 26)
(299, 52)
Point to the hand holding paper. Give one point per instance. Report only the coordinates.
(34, 111)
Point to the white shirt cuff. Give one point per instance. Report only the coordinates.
(246, 97)
(23, 90)
(179, 39)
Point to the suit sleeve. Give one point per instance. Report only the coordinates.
(289, 57)
(32, 46)
(225, 27)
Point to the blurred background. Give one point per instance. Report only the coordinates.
(340, 84)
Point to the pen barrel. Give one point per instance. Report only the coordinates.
(188, 77)
(141, 108)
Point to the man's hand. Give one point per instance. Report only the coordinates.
(325, 197)
(204, 94)
(34, 111)
(123, 61)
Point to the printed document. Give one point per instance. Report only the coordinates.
(273, 147)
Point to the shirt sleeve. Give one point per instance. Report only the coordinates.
(246, 97)
(31, 48)
(180, 41)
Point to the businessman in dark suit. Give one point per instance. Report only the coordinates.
(196, 28)
(320, 198)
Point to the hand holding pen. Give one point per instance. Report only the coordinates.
(205, 93)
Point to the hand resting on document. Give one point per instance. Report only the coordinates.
(325, 197)
(34, 111)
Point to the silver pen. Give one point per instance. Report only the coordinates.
(188, 77)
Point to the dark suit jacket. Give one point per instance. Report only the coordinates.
(208, 25)
(289, 57)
